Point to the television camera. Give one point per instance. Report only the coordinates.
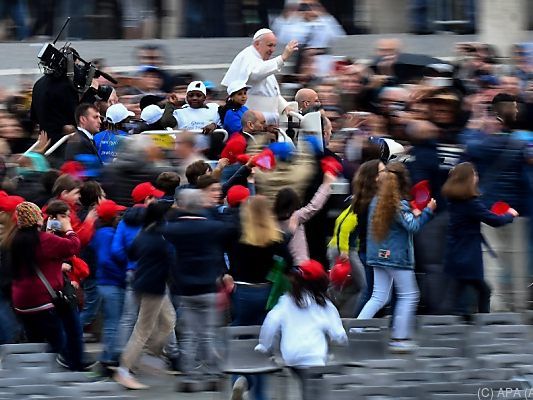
(66, 61)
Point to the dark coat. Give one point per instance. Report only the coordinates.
(80, 144)
(501, 163)
(463, 259)
(154, 256)
(199, 245)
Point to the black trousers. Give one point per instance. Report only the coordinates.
(459, 296)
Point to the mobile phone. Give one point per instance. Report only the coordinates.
(53, 225)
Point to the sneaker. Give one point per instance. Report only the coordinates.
(85, 366)
(61, 361)
(125, 379)
(239, 388)
(402, 346)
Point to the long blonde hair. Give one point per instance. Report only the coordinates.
(392, 188)
(259, 226)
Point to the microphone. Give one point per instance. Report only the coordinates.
(108, 77)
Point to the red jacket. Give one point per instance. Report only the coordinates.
(28, 292)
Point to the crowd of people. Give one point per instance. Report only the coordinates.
(242, 225)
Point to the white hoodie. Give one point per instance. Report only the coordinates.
(304, 331)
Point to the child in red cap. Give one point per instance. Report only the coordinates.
(307, 319)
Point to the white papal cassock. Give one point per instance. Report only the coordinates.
(264, 94)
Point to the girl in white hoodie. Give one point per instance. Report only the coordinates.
(306, 318)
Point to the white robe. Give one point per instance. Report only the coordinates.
(264, 94)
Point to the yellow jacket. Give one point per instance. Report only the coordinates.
(345, 225)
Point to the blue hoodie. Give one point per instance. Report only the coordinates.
(108, 271)
(127, 230)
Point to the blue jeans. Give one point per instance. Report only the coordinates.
(9, 326)
(249, 308)
(113, 302)
(92, 301)
(130, 312)
(367, 291)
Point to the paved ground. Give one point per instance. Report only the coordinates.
(206, 56)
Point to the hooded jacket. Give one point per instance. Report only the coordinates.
(125, 234)
(108, 270)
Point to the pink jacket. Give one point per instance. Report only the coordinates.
(298, 244)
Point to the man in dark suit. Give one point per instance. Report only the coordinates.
(88, 124)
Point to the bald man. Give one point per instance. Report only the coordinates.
(307, 100)
(256, 68)
(387, 51)
(253, 122)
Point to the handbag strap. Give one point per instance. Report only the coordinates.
(46, 283)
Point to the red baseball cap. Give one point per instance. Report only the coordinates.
(235, 146)
(265, 160)
(237, 194)
(421, 194)
(73, 168)
(340, 274)
(331, 165)
(8, 204)
(107, 210)
(144, 190)
(312, 270)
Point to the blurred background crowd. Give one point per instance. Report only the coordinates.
(135, 19)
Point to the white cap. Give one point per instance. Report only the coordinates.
(236, 86)
(117, 113)
(151, 114)
(197, 86)
(261, 32)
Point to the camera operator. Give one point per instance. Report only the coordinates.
(54, 102)
(67, 82)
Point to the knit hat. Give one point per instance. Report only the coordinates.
(237, 194)
(144, 190)
(107, 210)
(312, 270)
(28, 214)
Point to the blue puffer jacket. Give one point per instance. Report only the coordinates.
(108, 271)
(396, 251)
(127, 230)
(501, 164)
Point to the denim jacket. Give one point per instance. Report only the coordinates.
(396, 251)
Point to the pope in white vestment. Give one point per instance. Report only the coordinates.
(254, 66)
